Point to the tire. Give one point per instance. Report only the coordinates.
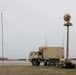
(52, 63)
(45, 63)
(73, 66)
(70, 65)
(35, 63)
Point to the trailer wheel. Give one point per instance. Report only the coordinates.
(45, 63)
(52, 63)
(70, 65)
(35, 63)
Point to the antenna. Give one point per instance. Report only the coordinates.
(67, 18)
(2, 29)
(46, 43)
(2, 37)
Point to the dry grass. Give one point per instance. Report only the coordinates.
(35, 70)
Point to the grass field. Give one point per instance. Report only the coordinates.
(35, 70)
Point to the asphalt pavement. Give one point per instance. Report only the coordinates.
(15, 63)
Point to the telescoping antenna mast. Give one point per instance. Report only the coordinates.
(2, 29)
(67, 18)
(46, 42)
(2, 37)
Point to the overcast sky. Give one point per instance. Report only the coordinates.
(27, 23)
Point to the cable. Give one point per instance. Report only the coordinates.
(5, 5)
(5, 21)
(2, 7)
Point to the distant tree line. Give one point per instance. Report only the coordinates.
(21, 59)
(3, 58)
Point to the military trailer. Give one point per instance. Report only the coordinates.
(48, 55)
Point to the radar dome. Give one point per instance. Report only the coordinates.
(67, 17)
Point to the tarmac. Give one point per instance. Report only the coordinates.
(15, 63)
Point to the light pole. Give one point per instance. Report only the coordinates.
(67, 18)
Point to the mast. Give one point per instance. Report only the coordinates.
(67, 18)
(2, 31)
(46, 41)
(2, 37)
